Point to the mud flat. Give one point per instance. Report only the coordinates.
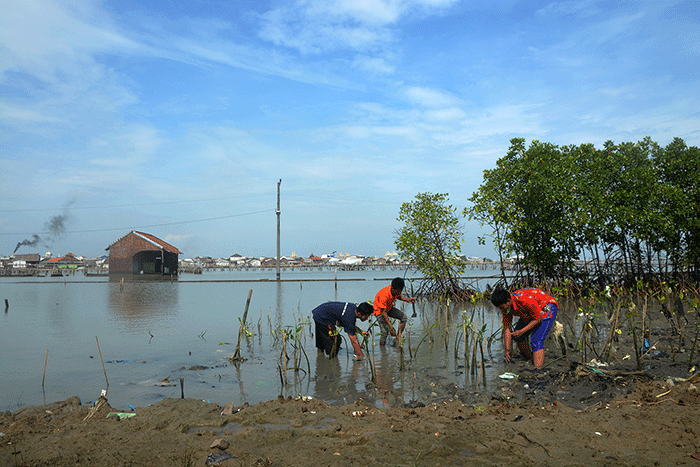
(567, 414)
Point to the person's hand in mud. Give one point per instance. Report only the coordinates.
(506, 357)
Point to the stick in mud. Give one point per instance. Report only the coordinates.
(103, 363)
(414, 303)
(182, 388)
(46, 359)
(237, 354)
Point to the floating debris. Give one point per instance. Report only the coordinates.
(121, 415)
(219, 457)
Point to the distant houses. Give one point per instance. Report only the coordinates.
(342, 261)
(26, 261)
(70, 261)
(141, 253)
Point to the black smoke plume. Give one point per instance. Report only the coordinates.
(28, 242)
(55, 228)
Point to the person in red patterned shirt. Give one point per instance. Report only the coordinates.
(537, 312)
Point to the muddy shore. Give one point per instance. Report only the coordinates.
(573, 412)
(567, 414)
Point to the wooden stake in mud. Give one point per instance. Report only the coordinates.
(46, 359)
(182, 388)
(237, 354)
(414, 303)
(103, 363)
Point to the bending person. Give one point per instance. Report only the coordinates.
(384, 309)
(328, 315)
(537, 312)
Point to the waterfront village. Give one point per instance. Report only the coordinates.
(35, 264)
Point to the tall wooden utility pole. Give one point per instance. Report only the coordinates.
(278, 229)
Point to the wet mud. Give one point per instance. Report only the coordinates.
(574, 411)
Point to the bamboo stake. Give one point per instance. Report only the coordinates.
(413, 304)
(466, 345)
(46, 359)
(237, 354)
(284, 353)
(102, 361)
(483, 369)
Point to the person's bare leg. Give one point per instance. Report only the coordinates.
(538, 358)
(402, 326)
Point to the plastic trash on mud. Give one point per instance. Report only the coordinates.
(217, 458)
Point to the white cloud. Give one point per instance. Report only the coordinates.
(316, 26)
(429, 97)
(375, 65)
(24, 115)
(60, 37)
(583, 8)
(446, 114)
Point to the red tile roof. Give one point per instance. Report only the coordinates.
(69, 258)
(153, 239)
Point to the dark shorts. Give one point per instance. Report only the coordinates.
(330, 344)
(393, 313)
(538, 334)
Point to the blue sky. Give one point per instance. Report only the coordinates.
(178, 118)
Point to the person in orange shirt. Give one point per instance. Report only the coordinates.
(384, 309)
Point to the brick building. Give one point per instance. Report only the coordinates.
(142, 253)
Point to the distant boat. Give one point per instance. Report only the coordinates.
(57, 273)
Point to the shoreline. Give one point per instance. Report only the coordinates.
(649, 422)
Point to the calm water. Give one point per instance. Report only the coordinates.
(150, 330)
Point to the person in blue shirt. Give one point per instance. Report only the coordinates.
(330, 314)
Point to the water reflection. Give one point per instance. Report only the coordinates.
(388, 392)
(142, 300)
(201, 314)
(330, 386)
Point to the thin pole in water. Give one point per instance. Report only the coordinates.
(278, 229)
(46, 359)
(103, 363)
(237, 355)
